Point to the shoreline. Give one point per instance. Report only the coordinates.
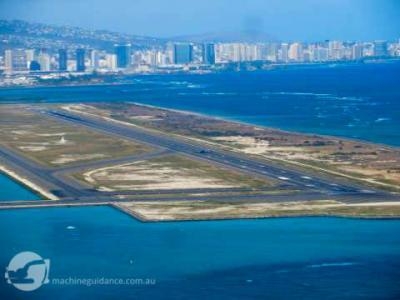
(277, 129)
(213, 117)
(144, 219)
(273, 66)
(27, 184)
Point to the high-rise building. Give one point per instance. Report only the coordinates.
(269, 51)
(209, 54)
(236, 52)
(44, 62)
(8, 60)
(380, 48)
(170, 53)
(162, 58)
(30, 55)
(80, 60)
(321, 54)
(94, 59)
(357, 51)
(295, 52)
(62, 60)
(123, 53)
(284, 52)
(111, 61)
(335, 50)
(183, 54)
(15, 60)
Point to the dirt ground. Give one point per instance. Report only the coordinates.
(166, 173)
(374, 164)
(201, 210)
(54, 143)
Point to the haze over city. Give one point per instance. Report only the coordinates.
(287, 20)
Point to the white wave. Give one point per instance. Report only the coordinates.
(297, 94)
(382, 120)
(338, 264)
(218, 94)
(179, 82)
(194, 86)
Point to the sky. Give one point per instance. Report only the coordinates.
(302, 20)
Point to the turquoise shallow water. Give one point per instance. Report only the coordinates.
(11, 190)
(283, 258)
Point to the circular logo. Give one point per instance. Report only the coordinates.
(28, 271)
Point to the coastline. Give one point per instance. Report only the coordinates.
(145, 219)
(277, 129)
(271, 67)
(27, 183)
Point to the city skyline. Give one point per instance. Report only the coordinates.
(46, 51)
(179, 56)
(338, 19)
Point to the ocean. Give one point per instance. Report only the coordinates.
(360, 101)
(11, 190)
(281, 258)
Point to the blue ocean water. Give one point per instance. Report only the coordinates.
(298, 258)
(282, 258)
(11, 190)
(359, 101)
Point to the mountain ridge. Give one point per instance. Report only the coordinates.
(19, 33)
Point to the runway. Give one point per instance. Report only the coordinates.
(292, 185)
(288, 177)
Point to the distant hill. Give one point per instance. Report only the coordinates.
(22, 34)
(229, 37)
(17, 33)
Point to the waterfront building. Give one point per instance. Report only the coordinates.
(295, 52)
(8, 60)
(209, 54)
(269, 52)
(94, 59)
(357, 51)
(335, 50)
(123, 54)
(80, 60)
(30, 55)
(15, 60)
(322, 54)
(380, 48)
(162, 58)
(111, 62)
(183, 54)
(284, 53)
(62, 60)
(236, 52)
(223, 53)
(44, 62)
